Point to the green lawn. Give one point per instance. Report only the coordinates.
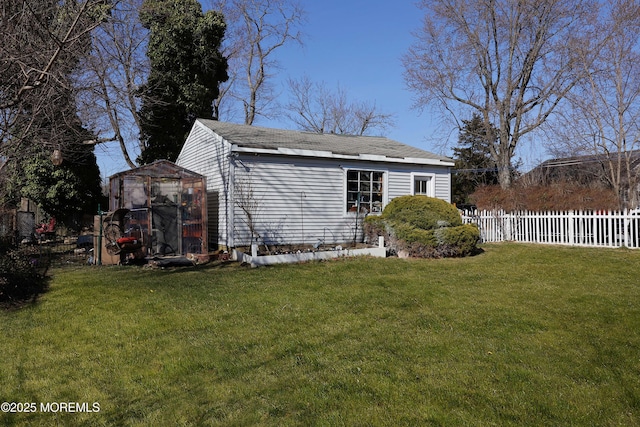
(519, 335)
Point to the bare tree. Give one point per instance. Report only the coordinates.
(604, 118)
(256, 30)
(510, 61)
(314, 108)
(41, 42)
(246, 198)
(111, 77)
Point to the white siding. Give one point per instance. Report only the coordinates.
(206, 153)
(304, 200)
(297, 199)
(400, 180)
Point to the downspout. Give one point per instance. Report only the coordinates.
(450, 183)
(230, 208)
(302, 197)
(355, 233)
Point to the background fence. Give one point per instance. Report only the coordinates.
(17, 231)
(583, 228)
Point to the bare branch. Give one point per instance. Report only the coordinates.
(256, 30)
(72, 35)
(604, 114)
(113, 74)
(314, 108)
(510, 61)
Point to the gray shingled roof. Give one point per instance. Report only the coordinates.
(267, 138)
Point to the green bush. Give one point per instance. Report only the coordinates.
(375, 222)
(422, 212)
(423, 227)
(463, 240)
(411, 234)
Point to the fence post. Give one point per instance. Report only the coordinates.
(571, 219)
(508, 235)
(625, 226)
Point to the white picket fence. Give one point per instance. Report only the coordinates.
(583, 228)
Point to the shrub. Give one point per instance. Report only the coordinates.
(423, 227)
(463, 240)
(375, 222)
(422, 212)
(22, 275)
(412, 234)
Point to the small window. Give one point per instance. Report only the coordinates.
(365, 189)
(422, 186)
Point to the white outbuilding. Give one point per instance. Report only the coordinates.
(284, 187)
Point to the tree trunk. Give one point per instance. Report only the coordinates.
(504, 176)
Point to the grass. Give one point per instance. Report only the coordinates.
(519, 335)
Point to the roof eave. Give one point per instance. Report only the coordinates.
(330, 155)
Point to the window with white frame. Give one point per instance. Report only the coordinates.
(365, 189)
(423, 185)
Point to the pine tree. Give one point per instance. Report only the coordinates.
(474, 166)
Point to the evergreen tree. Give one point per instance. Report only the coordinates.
(65, 191)
(474, 166)
(186, 69)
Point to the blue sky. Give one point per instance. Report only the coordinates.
(358, 45)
